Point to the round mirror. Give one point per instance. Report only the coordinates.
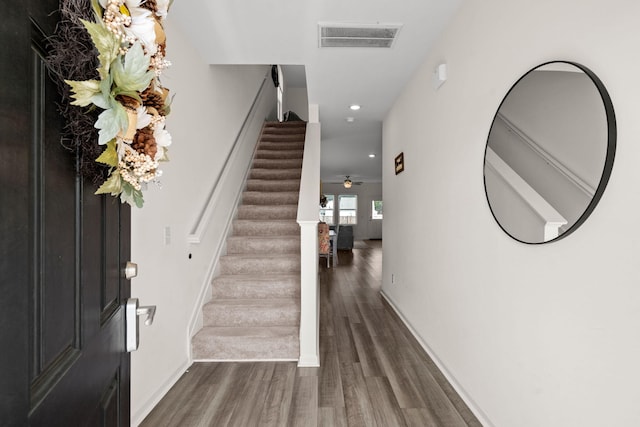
(550, 152)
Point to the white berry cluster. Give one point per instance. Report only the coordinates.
(159, 63)
(138, 168)
(116, 18)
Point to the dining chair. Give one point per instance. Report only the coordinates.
(324, 242)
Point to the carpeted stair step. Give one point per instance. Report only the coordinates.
(252, 286)
(268, 212)
(273, 185)
(257, 343)
(252, 312)
(263, 245)
(281, 146)
(277, 163)
(272, 198)
(275, 174)
(250, 227)
(259, 263)
(284, 126)
(282, 138)
(279, 154)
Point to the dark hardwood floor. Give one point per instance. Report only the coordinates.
(373, 373)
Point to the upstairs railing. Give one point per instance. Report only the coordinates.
(308, 220)
(547, 218)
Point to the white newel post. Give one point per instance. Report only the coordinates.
(309, 296)
(308, 220)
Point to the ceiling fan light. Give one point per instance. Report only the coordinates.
(347, 182)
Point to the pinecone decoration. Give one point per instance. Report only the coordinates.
(150, 5)
(128, 102)
(151, 98)
(144, 142)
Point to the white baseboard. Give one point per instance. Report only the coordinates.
(309, 361)
(147, 407)
(480, 415)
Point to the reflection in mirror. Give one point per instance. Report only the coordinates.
(550, 152)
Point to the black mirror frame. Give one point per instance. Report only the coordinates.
(609, 157)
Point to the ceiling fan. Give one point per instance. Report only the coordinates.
(348, 182)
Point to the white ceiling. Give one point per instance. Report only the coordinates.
(286, 32)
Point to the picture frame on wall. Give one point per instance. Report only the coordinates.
(399, 163)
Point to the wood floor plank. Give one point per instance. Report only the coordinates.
(373, 371)
(367, 354)
(251, 401)
(402, 383)
(385, 406)
(438, 403)
(304, 406)
(356, 396)
(227, 399)
(277, 404)
(332, 417)
(329, 380)
(419, 417)
(345, 344)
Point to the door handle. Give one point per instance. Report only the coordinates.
(133, 311)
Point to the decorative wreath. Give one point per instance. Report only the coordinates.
(130, 43)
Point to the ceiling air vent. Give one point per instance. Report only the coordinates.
(358, 35)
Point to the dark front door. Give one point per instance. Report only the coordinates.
(62, 250)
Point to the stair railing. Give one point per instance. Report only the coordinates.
(214, 221)
(237, 162)
(308, 219)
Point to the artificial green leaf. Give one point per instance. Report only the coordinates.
(104, 99)
(132, 73)
(112, 186)
(97, 9)
(110, 155)
(110, 122)
(106, 42)
(131, 196)
(83, 91)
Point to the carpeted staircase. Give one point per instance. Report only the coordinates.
(254, 313)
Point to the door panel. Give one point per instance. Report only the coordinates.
(62, 252)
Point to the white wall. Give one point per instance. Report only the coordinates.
(366, 192)
(296, 100)
(209, 107)
(544, 335)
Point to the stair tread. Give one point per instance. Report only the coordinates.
(278, 221)
(252, 277)
(262, 256)
(269, 207)
(247, 343)
(250, 331)
(291, 302)
(261, 238)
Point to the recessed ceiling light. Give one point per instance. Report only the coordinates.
(350, 119)
(355, 107)
(372, 155)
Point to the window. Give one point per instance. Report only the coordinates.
(326, 213)
(376, 209)
(348, 208)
